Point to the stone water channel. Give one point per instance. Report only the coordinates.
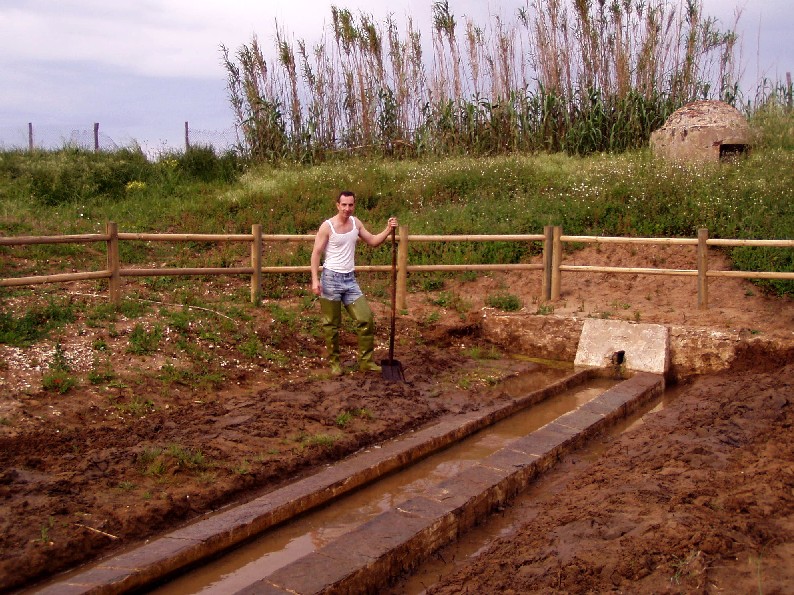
(280, 546)
(510, 519)
(356, 525)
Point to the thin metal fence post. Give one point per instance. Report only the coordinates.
(96, 136)
(556, 261)
(113, 261)
(30, 136)
(402, 268)
(548, 232)
(256, 264)
(703, 267)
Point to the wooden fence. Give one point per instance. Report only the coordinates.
(552, 265)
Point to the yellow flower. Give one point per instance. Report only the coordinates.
(135, 186)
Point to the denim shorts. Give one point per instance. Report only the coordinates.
(340, 287)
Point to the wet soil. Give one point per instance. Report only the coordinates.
(698, 498)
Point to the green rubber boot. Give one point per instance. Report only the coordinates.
(332, 318)
(365, 327)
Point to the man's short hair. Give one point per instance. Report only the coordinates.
(345, 193)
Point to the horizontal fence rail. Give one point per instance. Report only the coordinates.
(551, 266)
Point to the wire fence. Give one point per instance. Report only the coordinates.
(90, 137)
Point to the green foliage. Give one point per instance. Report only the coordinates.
(630, 194)
(343, 419)
(144, 342)
(651, 59)
(203, 164)
(136, 406)
(505, 301)
(60, 381)
(199, 377)
(74, 175)
(35, 323)
(58, 378)
(762, 258)
(156, 461)
(321, 440)
(101, 373)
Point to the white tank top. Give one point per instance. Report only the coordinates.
(341, 249)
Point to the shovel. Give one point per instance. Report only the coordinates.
(390, 368)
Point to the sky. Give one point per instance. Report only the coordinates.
(141, 69)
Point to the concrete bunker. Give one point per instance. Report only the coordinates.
(703, 131)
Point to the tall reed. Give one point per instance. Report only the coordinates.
(562, 75)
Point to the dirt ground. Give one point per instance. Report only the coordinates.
(698, 498)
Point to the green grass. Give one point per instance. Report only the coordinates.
(504, 301)
(630, 194)
(35, 323)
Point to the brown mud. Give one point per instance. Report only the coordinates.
(698, 498)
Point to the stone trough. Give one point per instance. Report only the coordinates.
(367, 558)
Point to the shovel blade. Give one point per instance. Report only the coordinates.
(392, 370)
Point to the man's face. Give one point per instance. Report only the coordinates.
(346, 205)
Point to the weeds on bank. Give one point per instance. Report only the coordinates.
(156, 461)
(144, 342)
(682, 567)
(59, 377)
(36, 322)
(452, 301)
(135, 407)
(506, 302)
(344, 418)
(321, 440)
(44, 533)
(480, 353)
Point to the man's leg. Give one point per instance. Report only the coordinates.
(365, 327)
(331, 311)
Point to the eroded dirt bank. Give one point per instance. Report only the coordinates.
(699, 498)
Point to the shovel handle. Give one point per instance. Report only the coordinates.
(393, 292)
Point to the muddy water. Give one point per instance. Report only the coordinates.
(282, 545)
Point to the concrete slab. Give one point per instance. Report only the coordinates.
(615, 343)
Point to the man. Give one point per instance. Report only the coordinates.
(337, 238)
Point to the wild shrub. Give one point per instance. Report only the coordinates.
(504, 301)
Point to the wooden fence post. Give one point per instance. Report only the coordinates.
(30, 136)
(187, 137)
(556, 261)
(548, 232)
(703, 267)
(402, 268)
(96, 136)
(114, 282)
(256, 263)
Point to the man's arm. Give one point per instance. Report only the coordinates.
(320, 242)
(377, 240)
